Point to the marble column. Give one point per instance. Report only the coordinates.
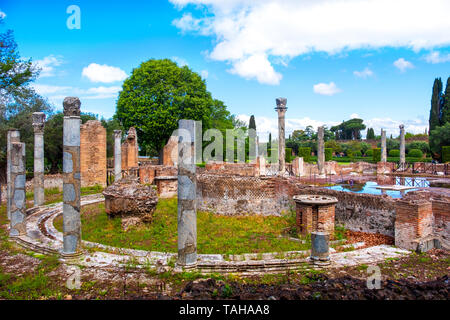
(187, 189)
(38, 126)
(320, 254)
(117, 155)
(17, 198)
(402, 144)
(281, 110)
(320, 151)
(71, 177)
(13, 135)
(383, 146)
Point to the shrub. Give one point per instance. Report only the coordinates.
(445, 154)
(394, 153)
(415, 153)
(421, 145)
(357, 153)
(328, 154)
(349, 154)
(288, 155)
(376, 155)
(305, 153)
(369, 152)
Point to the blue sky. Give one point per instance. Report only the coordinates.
(330, 59)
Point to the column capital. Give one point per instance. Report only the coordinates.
(117, 134)
(38, 122)
(71, 107)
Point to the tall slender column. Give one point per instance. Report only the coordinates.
(71, 177)
(13, 135)
(117, 155)
(187, 188)
(383, 146)
(38, 126)
(320, 151)
(17, 199)
(281, 110)
(402, 144)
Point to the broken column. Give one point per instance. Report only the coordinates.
(281, 110)
(117, 155)
(17, 198)
(297, 166)
(71, 177)
(13, 135)
(187, 188)
(320, 254)
(320, 151)
(383, 146)
(38, 176)
(402, 143)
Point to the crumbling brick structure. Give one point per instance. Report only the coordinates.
(130, 150)
(93, 153)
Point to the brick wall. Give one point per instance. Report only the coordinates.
(130, 150)
(441, 212)
(93, 153)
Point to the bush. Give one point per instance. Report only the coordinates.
(394, 153)
(376, 155)
(415, 153)
(357, 153)
(305, 153)
(328, 154)
(288, 155)
(369, 152)
(446, 154)
(421, 145)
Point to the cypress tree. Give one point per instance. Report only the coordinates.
(435, 104)
(252, 123)
(446, 105)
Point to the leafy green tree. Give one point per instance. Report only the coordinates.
(439, 138)
(435, 104)
(110, 125)
(349, 130)
(158, 94)
(370, 134)
(446, 105)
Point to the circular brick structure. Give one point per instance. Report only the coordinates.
(315, 213)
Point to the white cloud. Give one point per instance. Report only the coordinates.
(102, 92)
(103, 73)
(45, 89)
(364, 73)
(48, 64)
(2, 15)
(326, 89)
(245, 29)
(354, 115)
(204, 74)
(180, 61)
(264, 125)
(257, 67)
(436, 57)
(57, 93)
(402, 64)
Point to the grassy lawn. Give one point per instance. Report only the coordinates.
(53, 195)
(215, 233)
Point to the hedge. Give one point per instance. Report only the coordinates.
(288, 155)
(305, 153)
(369, 153)
(415, 153)
(394, 153)
(376, 155)
(445, 154)
(328, 154)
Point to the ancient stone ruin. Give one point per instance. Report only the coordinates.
(93, 153)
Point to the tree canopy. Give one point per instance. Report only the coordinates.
(349, 130)
(158, 94)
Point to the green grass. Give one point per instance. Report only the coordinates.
(215, 233)
(54, 195)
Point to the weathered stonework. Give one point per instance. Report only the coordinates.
(402, 144)
(17, 197)
(130, 200)
(383, 146)
(93, 154)
(281, 110)
(167, 186)
(298, 166)
(13, 136)
(71, 177)
(320, 254)
(130, 150)
(187, 186)
(320, 151)
(117, 155)
(38, 176)
(314, 213)
(170, 152)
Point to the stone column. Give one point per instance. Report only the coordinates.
(281, 110)
(71, 177)
(17, 198)
(320, 151)
(320, 248)
(13, 135)
(117, 155)
(402, 143)
(187, 189)
(38, 126)
(383, 146)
